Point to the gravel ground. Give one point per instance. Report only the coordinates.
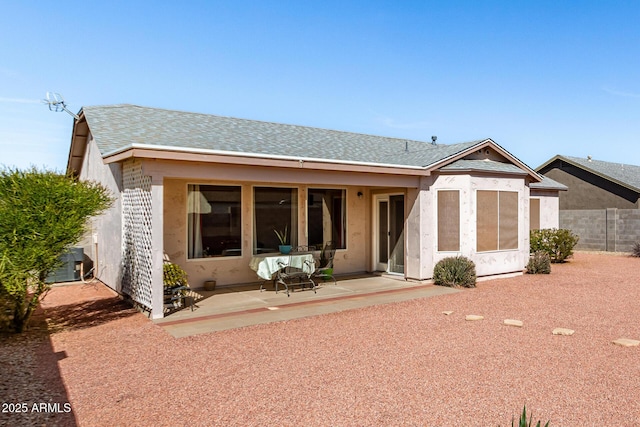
(397, 364)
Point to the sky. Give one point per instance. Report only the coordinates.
(538, 77)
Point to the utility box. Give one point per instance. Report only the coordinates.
(71, 267)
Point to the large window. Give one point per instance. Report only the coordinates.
(448, 220)
(497, 220)
(214, 221)
(274, 209)
(326, 219)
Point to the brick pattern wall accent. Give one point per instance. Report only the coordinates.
(613, 230)
(136, 234)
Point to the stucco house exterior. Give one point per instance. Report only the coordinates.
(602, 202)
(544, 203)
(208, 191)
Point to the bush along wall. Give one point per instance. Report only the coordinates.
(539, 263)
(557, 243)
(455, 271)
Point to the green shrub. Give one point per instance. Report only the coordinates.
(635, 251)
(174, 275)
(455, 271)
(558, 243)
(42, 214)
(526, 423)
(539, 263)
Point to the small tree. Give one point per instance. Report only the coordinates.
(42, 214)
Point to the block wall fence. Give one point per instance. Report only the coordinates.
(612, 230)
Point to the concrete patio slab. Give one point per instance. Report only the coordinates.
(235, 307)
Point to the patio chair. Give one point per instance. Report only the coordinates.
(324, 270)
(176, 297)
(289, 276)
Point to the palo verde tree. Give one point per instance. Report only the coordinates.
(42, 214)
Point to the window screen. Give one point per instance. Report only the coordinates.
(487, 223)
(449, 220)
(534, 214)
(508, 220)
(497, 220)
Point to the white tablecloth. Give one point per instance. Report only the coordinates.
(266, 265)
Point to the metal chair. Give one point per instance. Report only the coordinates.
(289, 275)
(176, 297)
(325, 263)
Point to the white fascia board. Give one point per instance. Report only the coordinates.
(256, 155)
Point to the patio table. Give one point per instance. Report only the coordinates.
(267, 265)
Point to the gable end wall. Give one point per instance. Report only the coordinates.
(589, 191)
(103, 242)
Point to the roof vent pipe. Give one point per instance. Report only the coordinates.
(433, 140)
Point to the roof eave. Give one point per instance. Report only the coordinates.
(482, 171)
(230, 157)
(78, 145)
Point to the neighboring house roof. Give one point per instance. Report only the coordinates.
(548, 184)
(623, 174)
(118, 128)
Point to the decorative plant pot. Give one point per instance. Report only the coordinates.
(210, 285)
(285, 249)
(326, 273)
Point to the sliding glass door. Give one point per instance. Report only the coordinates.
(389, 233)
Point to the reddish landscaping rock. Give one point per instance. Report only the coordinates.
(398, 364)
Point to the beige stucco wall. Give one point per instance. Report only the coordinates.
(234, 270)
(103, 242)
(549, 207)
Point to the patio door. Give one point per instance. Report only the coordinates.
(389, 233)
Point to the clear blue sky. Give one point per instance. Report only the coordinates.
(539, 77)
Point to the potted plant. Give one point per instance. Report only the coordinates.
(325, 268)
(283, 237)
(173, 276)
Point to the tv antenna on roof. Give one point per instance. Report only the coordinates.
(56, 103)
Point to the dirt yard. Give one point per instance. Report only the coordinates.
(99, 363)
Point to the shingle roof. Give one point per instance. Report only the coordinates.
(483, 165)
(118, 127)
(625, 174)
(548, 184)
